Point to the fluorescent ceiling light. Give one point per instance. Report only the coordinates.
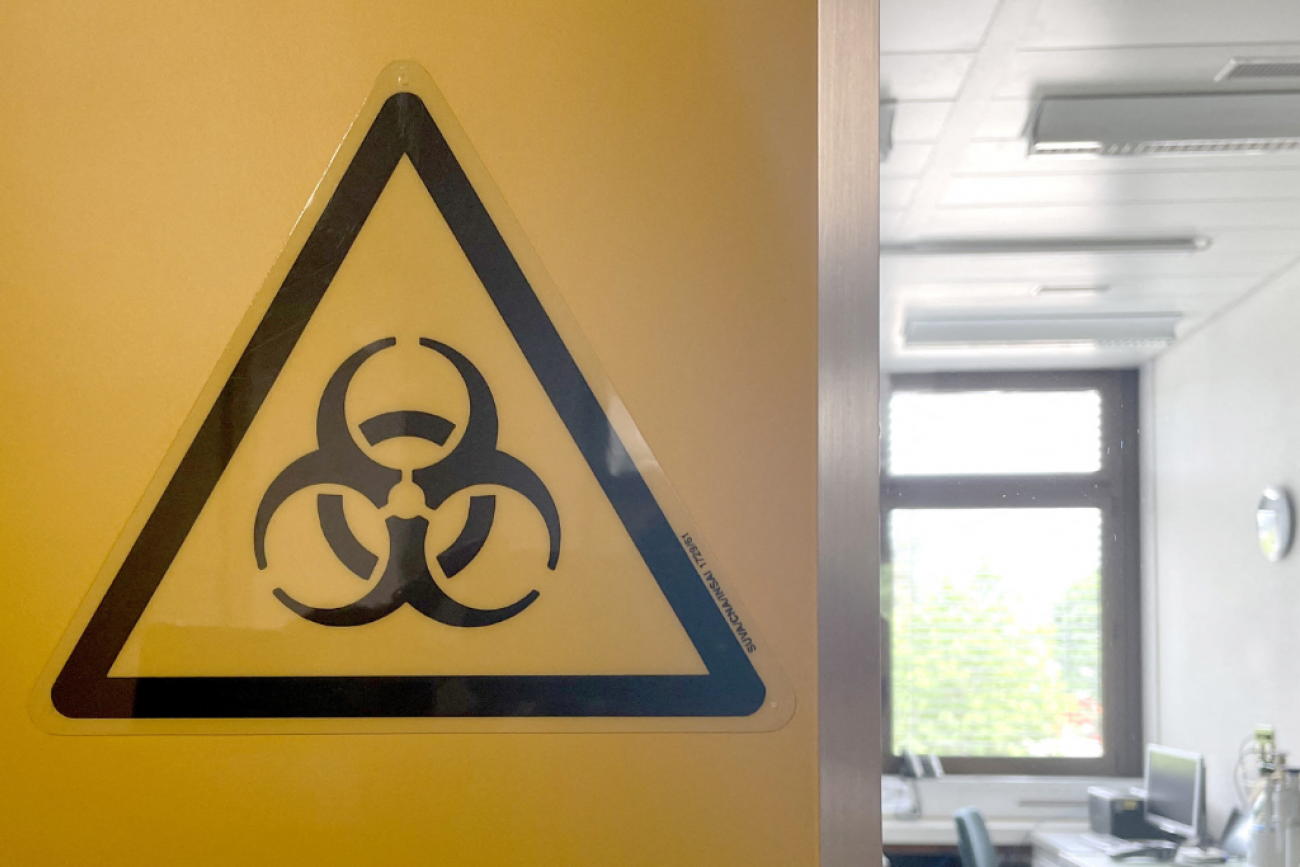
(1000, 350)
(1238, 123)
(1071, 288)
(1046, 246)
(1114, 329)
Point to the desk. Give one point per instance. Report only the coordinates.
(1055, 849)
(932, 841)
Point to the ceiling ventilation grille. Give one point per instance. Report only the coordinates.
(1071, 288)
(1100, 329)
(1259, 67)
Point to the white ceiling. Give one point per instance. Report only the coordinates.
(965, 76)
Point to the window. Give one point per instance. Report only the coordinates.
(1010, 584)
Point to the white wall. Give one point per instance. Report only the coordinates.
(1222, 422)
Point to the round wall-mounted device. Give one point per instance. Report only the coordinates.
(1273, 519)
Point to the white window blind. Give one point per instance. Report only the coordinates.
(994, 432)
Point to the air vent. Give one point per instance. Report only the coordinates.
(1047, 245)
(1259, 67)
(886, 126)
(1102, 329)
(1135, 126)
(1071, 288)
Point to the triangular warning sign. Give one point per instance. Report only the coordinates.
(409, 499)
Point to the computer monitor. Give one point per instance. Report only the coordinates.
(1175, 784)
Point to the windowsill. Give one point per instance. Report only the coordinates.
(1013, 807)
(943, 832)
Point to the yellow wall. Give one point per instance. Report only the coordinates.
(153, 158)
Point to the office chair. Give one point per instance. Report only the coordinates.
(973, 839)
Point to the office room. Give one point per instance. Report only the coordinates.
(1090, 284)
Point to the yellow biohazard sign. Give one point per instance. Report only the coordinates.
(409, 498)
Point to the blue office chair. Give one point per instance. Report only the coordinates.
(973, 839)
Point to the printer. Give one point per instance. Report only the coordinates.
(1121, 813)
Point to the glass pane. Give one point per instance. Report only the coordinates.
(969, 432)
(995, 631)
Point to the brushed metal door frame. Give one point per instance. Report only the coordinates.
(848, 581)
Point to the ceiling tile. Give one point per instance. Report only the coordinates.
(933, 25)
(1011, 157)
(905, 160)
(922, 76)
(1070, 23)
(1105, 71)
(1004, 119)
(1128, 187)
(919, 121)
(1077, 268)
(1248, 205)
(1124, 290)
(1169, 218)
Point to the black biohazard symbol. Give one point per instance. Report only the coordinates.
(339, 460)
(404, 132)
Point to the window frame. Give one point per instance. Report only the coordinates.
(1113, 489)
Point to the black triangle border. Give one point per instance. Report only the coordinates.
(84, 689)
